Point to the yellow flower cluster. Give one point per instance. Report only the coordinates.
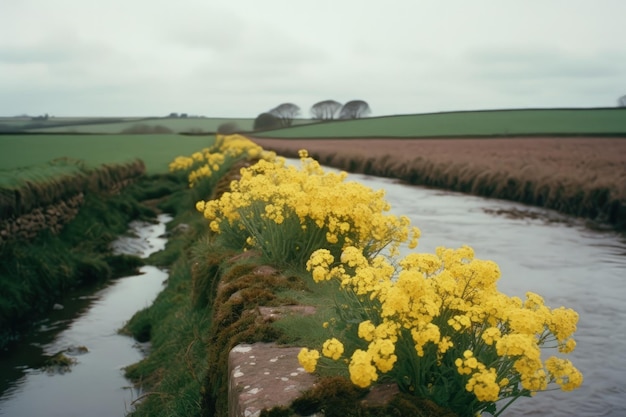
(436, 323)
(308, 359)
(205, 163)
(362, 372)
(332, 348)
(446, 304)
(348, 212)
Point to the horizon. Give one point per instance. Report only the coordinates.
(299, 117)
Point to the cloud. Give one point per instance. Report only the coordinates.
(545, 63)
(242, 57)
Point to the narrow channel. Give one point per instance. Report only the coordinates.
(85, 327)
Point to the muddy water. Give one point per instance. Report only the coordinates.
(95, 385)
(554, 256)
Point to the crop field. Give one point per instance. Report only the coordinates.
(582, 176)
(157, 151)
(609, 121)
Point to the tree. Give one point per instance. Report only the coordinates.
(325, 110)
(267, 121)
(621, 102)
(354, 109)
(228, 128)
(285, 112)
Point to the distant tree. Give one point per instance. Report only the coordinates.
(40, 118)
(285, 112)
(354, 109)
(266, 121)
(228, 128)
(621, 102)
(139, 129)
(325, 110)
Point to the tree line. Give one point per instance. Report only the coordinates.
(284, 114)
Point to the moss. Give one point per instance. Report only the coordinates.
(338, 397)
(334, 396)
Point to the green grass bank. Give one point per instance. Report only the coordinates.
(36, 274)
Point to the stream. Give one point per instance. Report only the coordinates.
(85, 328)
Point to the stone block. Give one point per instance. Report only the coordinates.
(262, 376)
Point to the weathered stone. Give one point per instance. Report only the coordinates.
(265, 270)
(380, 395)
(263, 376)
(270, 314)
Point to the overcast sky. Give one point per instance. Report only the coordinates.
(238, 58)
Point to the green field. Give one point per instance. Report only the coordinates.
(157, 151)
(120, 125)
(609, 121)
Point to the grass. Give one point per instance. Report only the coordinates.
(176, 125)
(605, 121)
(36, 274)
(157, 151)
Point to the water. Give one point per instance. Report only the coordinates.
(549, 254)
(95, 385)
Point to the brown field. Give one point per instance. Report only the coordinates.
(580, 176)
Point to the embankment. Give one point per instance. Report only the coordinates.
(56, 226)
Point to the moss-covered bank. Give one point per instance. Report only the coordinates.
(36, 273)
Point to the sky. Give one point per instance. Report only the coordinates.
(239, 58)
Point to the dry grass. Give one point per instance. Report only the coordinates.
(580, 176)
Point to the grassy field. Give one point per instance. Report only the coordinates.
(609, 121)
(157, 151)
(123, 125)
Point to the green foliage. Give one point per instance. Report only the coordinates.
(470, 123)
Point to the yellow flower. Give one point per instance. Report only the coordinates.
(483, 384)
(308, 359)
(564, 373)
(362, 372)
(332, 348)
(366, 330)
(491, 335)
(382, 354)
